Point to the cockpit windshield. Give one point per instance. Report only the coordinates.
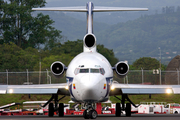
(94, 70)
(84, 70)
(89, 70)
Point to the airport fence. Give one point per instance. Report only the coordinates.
(154, 77)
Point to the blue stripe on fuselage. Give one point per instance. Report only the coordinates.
(69, 81)
(108, 82)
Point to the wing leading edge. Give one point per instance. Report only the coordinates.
(135, 89)
(35, 89)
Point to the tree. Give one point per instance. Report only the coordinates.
(21, 28)
(1, 14)
(109, 54)
(70, 47)
(47, 61)
(75, 47)
(15, 58)
(146, 63)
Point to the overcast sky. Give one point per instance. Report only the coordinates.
(120, 3)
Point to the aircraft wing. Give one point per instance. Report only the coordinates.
(136, 89)
(35, 89)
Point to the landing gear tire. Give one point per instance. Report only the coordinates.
(61, 110)
(85, 115)
(93, 114)
(128, 109)
(118, 110)
(51, 110)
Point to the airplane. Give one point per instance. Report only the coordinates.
(89, 75)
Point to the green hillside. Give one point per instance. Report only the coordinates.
(72, 28)
(143, 36)
(130, 40)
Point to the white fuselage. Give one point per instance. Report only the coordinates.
(91, 85)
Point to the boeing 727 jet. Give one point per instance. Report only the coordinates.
(89, 75)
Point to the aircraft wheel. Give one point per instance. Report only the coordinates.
(118, 110)
(85, 114)
(175, 112)
(51, 110)
(61, 110)
(93, 114)
(128, 109)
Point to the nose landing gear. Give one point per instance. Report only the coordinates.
(90, 113)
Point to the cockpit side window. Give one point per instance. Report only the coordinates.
(76, 71)
(102, 71)
(84, 70)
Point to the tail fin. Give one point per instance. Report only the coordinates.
(89, 8)
(84, 9)
(112, 9)
(90, 39)
(70, 9)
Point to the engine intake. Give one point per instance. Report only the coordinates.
(89, 40)
(57, 68)
(122, 68)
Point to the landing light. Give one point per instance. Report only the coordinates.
(112, 87)
(168, 91)
(66, 87)
(10, 90)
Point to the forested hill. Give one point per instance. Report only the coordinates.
(72, 28)
(143, 36)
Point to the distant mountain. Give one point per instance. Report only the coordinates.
(143, 36)
(132, 39)
(72, 28)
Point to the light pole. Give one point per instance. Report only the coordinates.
(142, 76)
(178, 75)
(7, 76)
(39, 66)
(27, 76)
(160, 65)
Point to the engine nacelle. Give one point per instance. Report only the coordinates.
(89, 43)
(57, 68)
(121, 68)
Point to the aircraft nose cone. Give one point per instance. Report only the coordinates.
(90, 88)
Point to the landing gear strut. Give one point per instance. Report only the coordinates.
(127, 109)
(51, 110)
(118, 110)
(54, 107)
(90, 112)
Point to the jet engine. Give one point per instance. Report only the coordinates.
(121, 68)
(89, 40)
(89, 43)
(57, 68)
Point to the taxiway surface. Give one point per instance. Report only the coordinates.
(100, 117)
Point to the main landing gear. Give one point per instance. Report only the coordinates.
(120, 108)
(55, 107)
(90, 113)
